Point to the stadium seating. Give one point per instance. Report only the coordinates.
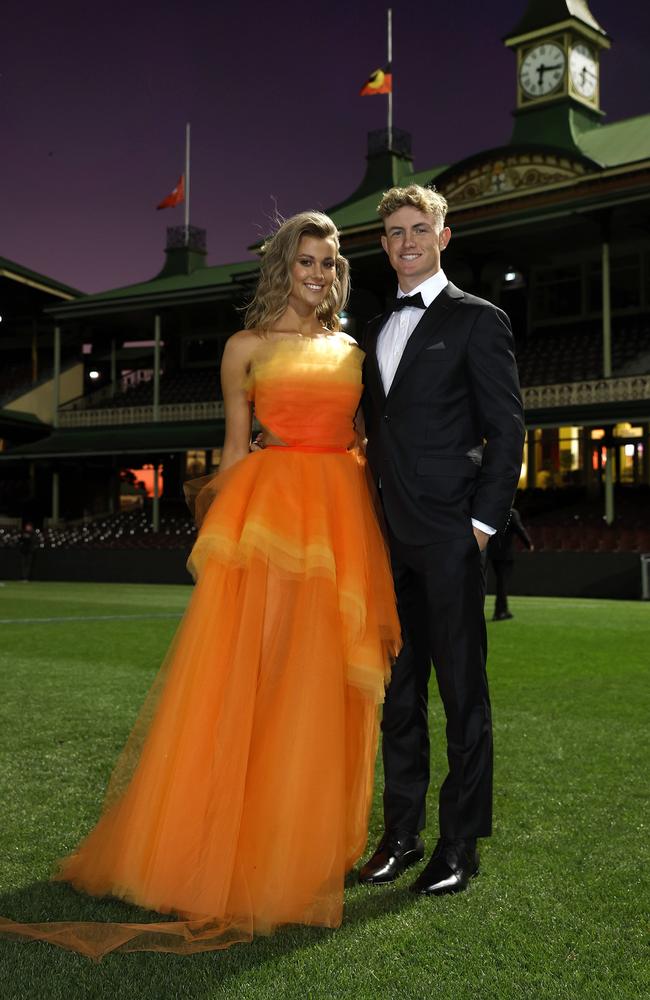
(130, 530)
(566, 519)
(573, 525)
(189, 385)
(575, 353)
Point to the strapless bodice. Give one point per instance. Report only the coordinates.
(306, 390)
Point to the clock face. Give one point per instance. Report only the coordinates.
(584, 70)
(542, 70)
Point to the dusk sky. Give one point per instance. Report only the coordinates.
(95, 97)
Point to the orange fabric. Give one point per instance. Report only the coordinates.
(242, 796)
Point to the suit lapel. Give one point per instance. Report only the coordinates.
(373, 376)
(442, 307)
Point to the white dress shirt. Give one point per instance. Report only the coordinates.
(395, 335)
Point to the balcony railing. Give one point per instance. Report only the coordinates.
(167, 413)
(604, 390)
(536, 397)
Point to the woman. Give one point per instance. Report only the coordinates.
(242, 796)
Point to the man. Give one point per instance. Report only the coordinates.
(501, 553)
(445, 433)
(26, 549)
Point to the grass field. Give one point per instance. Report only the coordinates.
(560, 909)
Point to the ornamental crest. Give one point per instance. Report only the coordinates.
(511, 174)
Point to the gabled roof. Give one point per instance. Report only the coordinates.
(200, 283)
(18, 272)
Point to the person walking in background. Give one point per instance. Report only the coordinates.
(501, 553)
(26, 549)
(444, 424)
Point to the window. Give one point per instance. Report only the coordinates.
(195, 464)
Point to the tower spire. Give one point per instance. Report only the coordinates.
(541, 13)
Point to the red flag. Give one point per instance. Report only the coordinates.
(176, 197)
(379, 82)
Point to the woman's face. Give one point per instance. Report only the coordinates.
(313, 272)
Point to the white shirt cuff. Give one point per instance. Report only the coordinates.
(483, 527)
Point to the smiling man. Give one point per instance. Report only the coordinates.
(445, 431)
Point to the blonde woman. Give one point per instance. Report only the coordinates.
(242, 796)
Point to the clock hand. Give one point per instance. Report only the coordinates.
(546, 69)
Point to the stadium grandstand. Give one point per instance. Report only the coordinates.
(110, 401)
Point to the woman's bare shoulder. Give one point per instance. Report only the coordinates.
(240, 346)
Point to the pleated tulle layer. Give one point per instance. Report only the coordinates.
(242, 796)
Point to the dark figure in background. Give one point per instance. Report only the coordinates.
(26, 549)
(501, 553)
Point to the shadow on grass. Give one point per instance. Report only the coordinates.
(45, 969)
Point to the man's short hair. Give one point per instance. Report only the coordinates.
(426, 199)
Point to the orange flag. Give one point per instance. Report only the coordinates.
(176, 197)
(379, 82)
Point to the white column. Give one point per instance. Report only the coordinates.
(156, 369)
(155, 512)
(56, 377)
(607, 373)
(390, 59)
(113, 367)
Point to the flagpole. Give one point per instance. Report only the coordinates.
(187, 184)
(390, 61)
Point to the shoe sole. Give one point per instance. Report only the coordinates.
(410, 858)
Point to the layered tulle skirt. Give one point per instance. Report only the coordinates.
(242, 796)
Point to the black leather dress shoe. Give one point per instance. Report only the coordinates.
(503, 616)
(452, 865)
(395, 853)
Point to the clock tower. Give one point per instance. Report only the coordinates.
(557, 44)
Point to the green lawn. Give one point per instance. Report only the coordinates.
(560, 910)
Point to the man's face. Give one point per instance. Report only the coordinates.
(414, 241)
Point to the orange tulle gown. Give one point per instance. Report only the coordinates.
(242, 796)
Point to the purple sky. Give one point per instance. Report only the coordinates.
(95, 98)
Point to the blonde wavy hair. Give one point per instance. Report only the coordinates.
(426, 199)
(278, 254)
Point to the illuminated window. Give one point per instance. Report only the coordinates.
(628, 431)
(569, 449)
(195, 464)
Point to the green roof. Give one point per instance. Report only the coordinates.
(21, 418)
(10, 269)
(144, 294)
(621, 142)
(133, 439)
(545, 13)
(616, 144)
(351, 214)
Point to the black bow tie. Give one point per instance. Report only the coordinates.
(416, 301)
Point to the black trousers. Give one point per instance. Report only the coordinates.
(440, 595)
(502, 572)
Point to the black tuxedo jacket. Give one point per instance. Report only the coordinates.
(446, 443)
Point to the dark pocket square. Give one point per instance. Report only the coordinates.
(440, 346)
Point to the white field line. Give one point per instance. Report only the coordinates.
(85, 618)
